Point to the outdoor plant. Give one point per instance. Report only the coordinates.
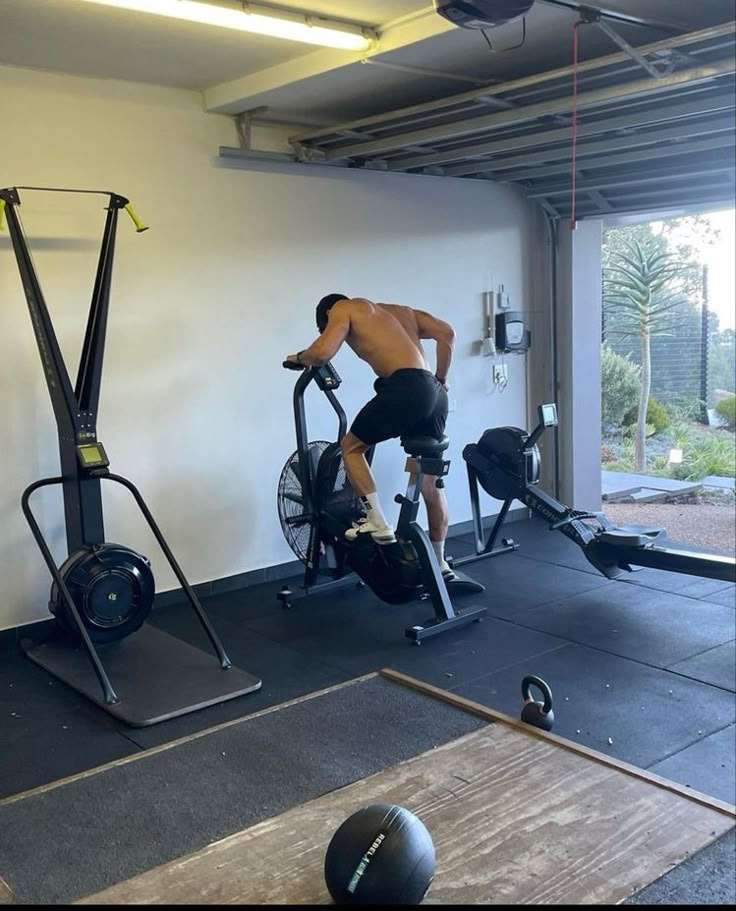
(685, 410)
(726, 408)
(640, 286)
(707, 455)
(607, 455)
(657, 415)
(620, 381)
(631, 431)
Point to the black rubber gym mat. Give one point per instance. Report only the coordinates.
(625, 709)
(73, 839)
(706, 878)
(717, 666)
(659, 628)
(515, 583)
(49, 730)
(537, 542)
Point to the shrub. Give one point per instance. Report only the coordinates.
(620, 384)
(657, 416)
(685, 409)
(629, 430)
(726, 408)
(707, 455)
(607, 455)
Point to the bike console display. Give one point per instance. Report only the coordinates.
(548, 415)
(327, 377)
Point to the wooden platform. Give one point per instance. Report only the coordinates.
(6, 896)
(517, 815)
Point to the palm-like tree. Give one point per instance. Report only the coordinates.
(641, 291)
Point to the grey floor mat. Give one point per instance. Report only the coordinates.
(706, 878)
(74, 839)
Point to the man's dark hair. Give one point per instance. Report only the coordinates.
(324, 307)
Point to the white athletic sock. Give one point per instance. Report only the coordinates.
(373, 510)
(439, 550)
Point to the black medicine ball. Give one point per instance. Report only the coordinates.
(381, 855)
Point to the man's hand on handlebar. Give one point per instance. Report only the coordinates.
(292, 362)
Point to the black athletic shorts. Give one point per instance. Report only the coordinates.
(410, 402)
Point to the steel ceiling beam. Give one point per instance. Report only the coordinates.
(628, 180)
(642, 88)
(641, 209)
(710, 189)
(631, 51)
(603, 204)
(665, 113)
(617, 16)
(702, 36)
(590, 157)
(641, 204)
(642, 143)
(674, 60)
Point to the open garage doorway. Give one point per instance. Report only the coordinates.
(668, 375)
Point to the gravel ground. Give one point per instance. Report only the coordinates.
(708, 525)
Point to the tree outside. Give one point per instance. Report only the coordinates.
(643, 288)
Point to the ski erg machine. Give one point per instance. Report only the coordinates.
(103, 593)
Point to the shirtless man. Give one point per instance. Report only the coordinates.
(410, 400)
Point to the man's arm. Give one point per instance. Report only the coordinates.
(443, 333)
(326, 346)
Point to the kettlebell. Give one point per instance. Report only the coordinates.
(539, 714)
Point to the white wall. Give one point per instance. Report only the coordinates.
(195, 407)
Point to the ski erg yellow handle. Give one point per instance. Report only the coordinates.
(139, 226)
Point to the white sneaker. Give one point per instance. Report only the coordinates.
(381, 534)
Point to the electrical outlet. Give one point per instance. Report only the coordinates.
(499, 374)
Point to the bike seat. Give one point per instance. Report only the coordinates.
(425, 446)
(630, 535)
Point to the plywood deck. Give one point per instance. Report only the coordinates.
(515, 817)
(6, 896)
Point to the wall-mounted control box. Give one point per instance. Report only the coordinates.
(511, 332)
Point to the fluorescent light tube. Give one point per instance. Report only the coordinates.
(249, 17)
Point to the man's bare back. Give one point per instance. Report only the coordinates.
(386, 336)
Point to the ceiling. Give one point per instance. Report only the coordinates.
(655, 121)
(85, 39)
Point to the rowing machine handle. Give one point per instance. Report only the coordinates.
(292, 365)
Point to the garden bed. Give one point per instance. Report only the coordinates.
(705, 451)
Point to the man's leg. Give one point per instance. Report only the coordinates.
(437, 520)
(356, 466)
(363, 483)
